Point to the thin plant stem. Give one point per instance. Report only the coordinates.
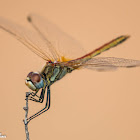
(26, 108)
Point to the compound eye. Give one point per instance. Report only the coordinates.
(35, 77)
(30, 74)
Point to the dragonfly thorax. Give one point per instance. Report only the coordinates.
(34, 81)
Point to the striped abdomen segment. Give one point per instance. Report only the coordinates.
(77, 63)
(103, 48)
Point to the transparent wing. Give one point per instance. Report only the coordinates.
(29, 38)
(110, 63)
(63, 45)
(107, 63)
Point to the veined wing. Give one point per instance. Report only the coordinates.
(29, 38)
(86, 59)
(109, 63)
(103, 63)
(63, 45)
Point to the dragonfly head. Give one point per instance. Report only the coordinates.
(34, 81)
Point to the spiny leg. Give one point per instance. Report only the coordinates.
(39, 113)
(47, 106)
(32, 94)
(40, 98)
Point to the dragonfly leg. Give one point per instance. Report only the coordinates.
(47, 106)
(32, 99)
(32, 95)
(40, 98)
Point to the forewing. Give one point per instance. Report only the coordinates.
(107, 63)
(29, 38)
(63, 45)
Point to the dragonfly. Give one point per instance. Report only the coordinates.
(62, 54)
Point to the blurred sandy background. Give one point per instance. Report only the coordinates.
(85, 105)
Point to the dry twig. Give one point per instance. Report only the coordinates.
(26, 108)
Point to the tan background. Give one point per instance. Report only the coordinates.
(86, 105)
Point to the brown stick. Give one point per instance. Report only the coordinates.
(26, 116)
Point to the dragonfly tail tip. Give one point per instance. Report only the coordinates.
(127, 36)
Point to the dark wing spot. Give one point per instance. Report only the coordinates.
(29, 19)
